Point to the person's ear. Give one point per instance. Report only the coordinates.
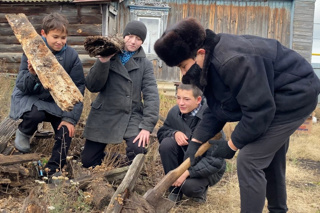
(201, 51)
(43, 33)
(199, 99)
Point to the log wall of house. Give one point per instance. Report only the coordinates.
(84, 20)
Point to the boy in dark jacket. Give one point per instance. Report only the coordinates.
(267, 87)
(173, 137)
(34, 104)
(127, 105)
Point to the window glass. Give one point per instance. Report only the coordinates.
(153, 27)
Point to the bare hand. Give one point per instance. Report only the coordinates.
(69, 126)
(181, 138)
(30, 68)
(104, 59)
(181, 179)
(143, 138)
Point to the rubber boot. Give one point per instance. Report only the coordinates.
(22, 142)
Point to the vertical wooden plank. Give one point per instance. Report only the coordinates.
(250, 18)
(265, 19)
(286, 25)
(212, 15)
(219, 22)
(226, 18)
(258, 19)
(234, 18)
(271, 22)
(242, 18)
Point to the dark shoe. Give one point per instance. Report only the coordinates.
(202, 198)
(175, 197)
(22, 142)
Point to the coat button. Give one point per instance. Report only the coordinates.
(128, 96)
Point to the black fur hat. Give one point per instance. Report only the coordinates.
(180, 42)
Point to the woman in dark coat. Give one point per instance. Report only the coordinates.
(127, 105)
(267, 87)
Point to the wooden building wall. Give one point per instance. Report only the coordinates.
(84, 20)
(270, 19)
(289, 21)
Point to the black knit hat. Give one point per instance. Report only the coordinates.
(137, 28)
(180, 42)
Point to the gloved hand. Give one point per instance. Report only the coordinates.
(191, 151)
(222, 149)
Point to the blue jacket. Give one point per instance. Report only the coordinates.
(255, 81)
(29, 91)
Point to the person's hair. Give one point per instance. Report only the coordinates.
(55, 21)
(195, 90)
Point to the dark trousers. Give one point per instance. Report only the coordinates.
(261, 167)
(94, 152)
(171, 157)
(29, 125)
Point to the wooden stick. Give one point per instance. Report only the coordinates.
(13, 159)
(50, 72)
(126, 186)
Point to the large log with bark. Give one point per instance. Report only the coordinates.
(51, 74)
(7, 129)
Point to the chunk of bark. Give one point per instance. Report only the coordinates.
(101, 192)
(8, 128)
(103, 46)
(50, 72)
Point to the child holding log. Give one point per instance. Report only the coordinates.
(34, 104)
(127, 105)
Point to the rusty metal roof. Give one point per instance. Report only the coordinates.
(40, 1)
(32, 1)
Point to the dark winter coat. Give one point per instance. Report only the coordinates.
(29, 91)
(128, 99)
(211, 167)
(255, 81)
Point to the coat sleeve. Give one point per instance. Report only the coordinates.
(167, 130)
(207, 166)
(27, 83)
(208, 127)
(97, 76)
(246, 76)
(77, 76)
(150, 96)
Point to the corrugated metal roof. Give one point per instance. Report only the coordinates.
(31, 1)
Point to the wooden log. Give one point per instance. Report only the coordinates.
(15, 169)
(51, 74)
(125, 188)
(111, 175)
(101, 192)
(7, 128)
(13, 159)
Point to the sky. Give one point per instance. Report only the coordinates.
(316, 33)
